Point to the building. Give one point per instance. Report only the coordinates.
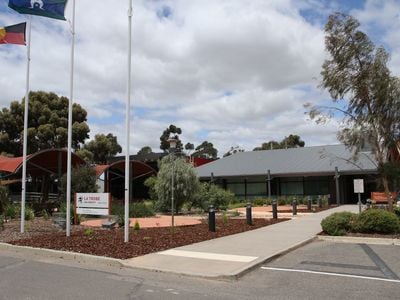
(309, 171)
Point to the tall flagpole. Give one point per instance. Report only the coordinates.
(71, 97)
(25, 148)
(127, 112)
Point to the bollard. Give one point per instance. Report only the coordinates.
(211, 218)
(319, 202)
(249, 218)
(294, 206)
(274, 209)
(309, 203)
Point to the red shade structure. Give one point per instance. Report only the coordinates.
(49, 161)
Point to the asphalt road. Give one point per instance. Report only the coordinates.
(320, 270)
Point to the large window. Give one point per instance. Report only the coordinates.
(316, 186)
(292, 186)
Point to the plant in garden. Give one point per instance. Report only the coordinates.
(44, 213)
(141, 210)
(29, 214)
(377, 221)
(3, 198)
(1, 221)
(338, 223)
(88, 232)
(235, 213)
(211, 194)
(225, 218)
(150, 183)
(186, 183)
(136, 226)
(259, 202)
(11, 211)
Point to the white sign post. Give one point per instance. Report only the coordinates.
(359, 188)
(92, 203)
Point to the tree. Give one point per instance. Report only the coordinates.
(363, 89)
(174, 131)
(186, 183)
(268, 146)
(102, 147)
(233, 150)
(291, 141)
(86, 155)
(145, 150)
(83, 180)
(47, 124)
(205, 150)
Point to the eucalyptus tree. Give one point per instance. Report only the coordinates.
(365, 94)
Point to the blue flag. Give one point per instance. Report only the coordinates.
(46, 8)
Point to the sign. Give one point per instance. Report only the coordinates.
(92, 203)
(358, 185)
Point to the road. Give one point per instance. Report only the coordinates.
(319, 270)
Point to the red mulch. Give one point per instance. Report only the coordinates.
(111, 243)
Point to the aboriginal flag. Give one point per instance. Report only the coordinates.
(14, 34)
(46, 8)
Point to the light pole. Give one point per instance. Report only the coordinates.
(172, 146)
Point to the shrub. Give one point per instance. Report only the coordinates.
(236, 205)
(397, 211)
(377, 221)
(140, 210)
(63, 209)
(235, 213)
(136, 227)
(88, 232)
(45, 214)
(211, 194)
(338, 223)
(3, 198)
(150, 183)
(11, 211)
(29, 214)
(225, 218)
(259, 202)
(281, 201)
(1, 221)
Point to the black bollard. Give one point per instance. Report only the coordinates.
(294, 207)
(211, 218)
(274, 209)
(249, 218)
(309, 203)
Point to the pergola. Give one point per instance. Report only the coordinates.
(45, 162)
(114, 175)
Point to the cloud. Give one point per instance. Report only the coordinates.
(233, 72)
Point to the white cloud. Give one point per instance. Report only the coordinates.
(233, 72)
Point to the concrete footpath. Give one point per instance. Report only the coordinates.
(232, 256)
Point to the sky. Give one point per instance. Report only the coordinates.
(235, 73)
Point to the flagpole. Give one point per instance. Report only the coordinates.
(127, 112)
(71, 97)
(25, 141)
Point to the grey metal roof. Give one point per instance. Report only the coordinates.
(317, 160)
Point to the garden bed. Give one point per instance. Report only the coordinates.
(110, 243)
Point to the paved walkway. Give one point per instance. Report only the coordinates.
(233, 255)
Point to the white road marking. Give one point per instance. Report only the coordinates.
(331, 274)
(211, 256)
